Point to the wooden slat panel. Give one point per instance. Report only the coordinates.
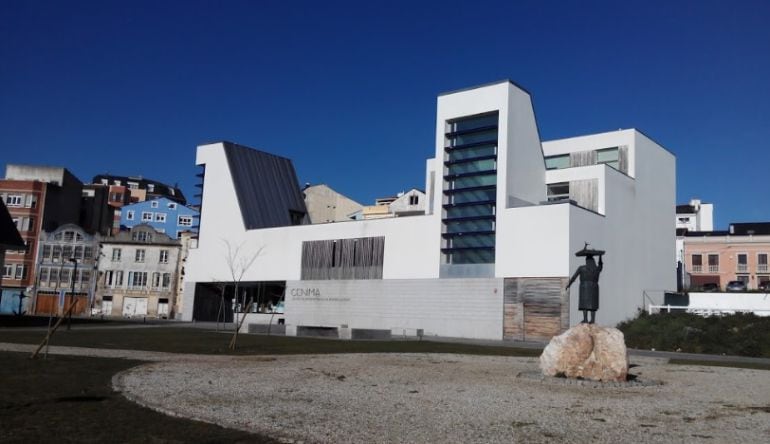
(585, 193)
(535, 308)
(541, 327)
(623, 159)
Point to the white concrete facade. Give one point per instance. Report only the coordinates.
(533, 238)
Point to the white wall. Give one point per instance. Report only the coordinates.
(597, 172)
(533, 241)
(468, 308)
(759, 303)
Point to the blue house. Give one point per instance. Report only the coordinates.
(163, 214)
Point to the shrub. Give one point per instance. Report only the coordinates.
(738, 334)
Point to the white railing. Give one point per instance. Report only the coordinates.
(705, 311)
(713, 268)
(697, 268)
(743, 268)
(762, 268)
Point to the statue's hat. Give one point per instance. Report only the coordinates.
(589, 252)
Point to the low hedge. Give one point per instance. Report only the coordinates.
(738, 334)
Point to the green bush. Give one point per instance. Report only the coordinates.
(739, 334)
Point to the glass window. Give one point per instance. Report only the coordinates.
(139, 256)
(88, 252)
(154, 204)
(78, 252)
(473, 181)
(743, 262)
(609, 156)
(472, 240)
(470, 153)
(46, 251)
(472, 196)
(472, 167)
(163, 259)
(146, 216)
(166, 280)
(44, 274)
(171, 206)
(160, 217)
(155, 280)
(469, 123)
(470, 226)
(485, 256)
(14, 200)
(482, 136)
(69, 236)
(762, 262)
(66, 252)
(116, 254)
(130, 215)
(558, 191)
(470, 211)
(557, 162)
(64, 276)
(184, 221)
(713, 263)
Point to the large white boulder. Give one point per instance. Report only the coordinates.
(587, 351)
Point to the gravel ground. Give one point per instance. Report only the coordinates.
(378, 398)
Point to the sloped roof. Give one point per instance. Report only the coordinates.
(9, 235)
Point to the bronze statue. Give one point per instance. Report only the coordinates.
(589, 282)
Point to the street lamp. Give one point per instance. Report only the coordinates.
(72, 293)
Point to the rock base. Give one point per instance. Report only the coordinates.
(587, 351)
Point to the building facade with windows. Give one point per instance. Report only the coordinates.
(137, 274)
(38, 198)
(165, 215)
(490, 254)
(67, 259)
(738, 254)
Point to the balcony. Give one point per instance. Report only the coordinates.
(762, 268)
(713, 268)
(743, 268)
(697, 268)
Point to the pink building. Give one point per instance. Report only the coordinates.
(738, 254)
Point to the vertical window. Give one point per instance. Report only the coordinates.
(43, 274)
(119, 278)
(7, 271)
(139, 256)
(46, 252)
(130, 215)
(414, 200)
(156, 280)
(470, 184)
(154, 204)
(116, 254)
(713, 263)
(743, 263)
(78, 252)
(66, 252)
(163, 257)
(697, 263)
(166, 280)
(88, 252)
(762, 263)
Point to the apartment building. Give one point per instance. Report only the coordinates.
(163, 214)
(67, 258)
(9, 240)
(737, 254)
(137, 274)
(38, 198)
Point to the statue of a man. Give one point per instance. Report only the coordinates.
(589, 282)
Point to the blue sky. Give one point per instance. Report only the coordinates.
(348, 89)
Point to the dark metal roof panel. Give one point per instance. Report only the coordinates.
(266, 186)
(9, 235)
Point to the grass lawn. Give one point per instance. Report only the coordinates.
(70, 399)
(193, 340)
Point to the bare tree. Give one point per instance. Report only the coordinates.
(238, 262)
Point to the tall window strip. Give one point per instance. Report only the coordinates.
(470, 190)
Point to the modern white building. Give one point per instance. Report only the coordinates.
(490, 256)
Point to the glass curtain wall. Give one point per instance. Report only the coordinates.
(470, 190)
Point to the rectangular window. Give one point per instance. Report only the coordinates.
(762, 263)
(457, 155)
(66, 252)
(163, 257)
(14, 200)
(69, 236)
(88, 252)
(156, 280)
(116, 254)
(697, 263)
(151, 187)
(609, 156)
(166, 280)
(78, 252)
(474, 166)
(184, 221)
(470, 211)
(713, 263)
(743, 263)
(154, 204)
(160, 217)
(137, 279)
(146, 216)
(64, 276)
(53, 279)
(7, 271)
(132, 185)
(46, 252)
(85, 276)
(130, 215)
(557, 162)
(139, 256)
(56, 255)
(414, 200)
(473, 181)
(44, 274)
(119, 278)
(558, 192)
(171, 206)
